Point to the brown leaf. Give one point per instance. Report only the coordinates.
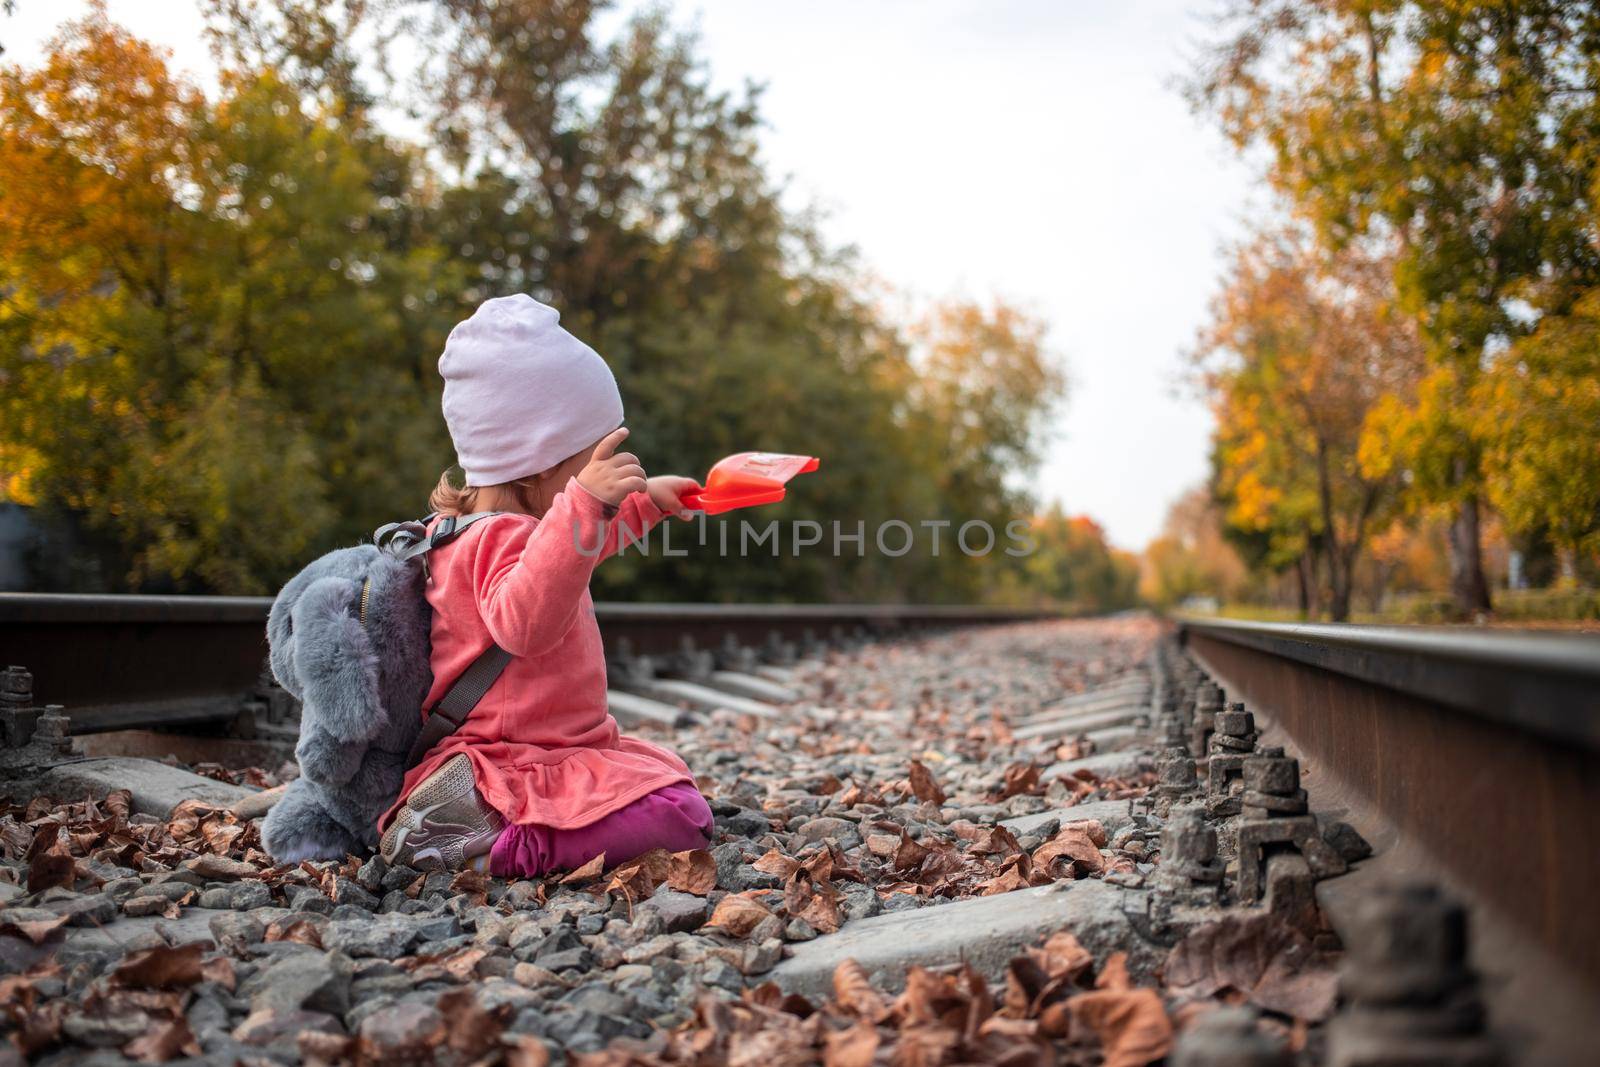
(813, 899)
(37, 931)
(471, 1030)
(855, 994)
(692, 872)
(1020, 778)
(994, 840)
(219, 969)
(299, 930)
(775, 862)
(161, 967)
(1268, 961)
(49, 869)
(1071, 851)
(474, 885)
(588, 872)
(926, 1046)
(909, 854)
(165, 1040)
(527, 1051)
(1131, 1023)
(855, 1047)
(1114, 975)
(737, 915)
(1061, 956)
(1009, 880)
(1091, 828)
(923, 785)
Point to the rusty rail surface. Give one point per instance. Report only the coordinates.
(1475, 755)
(124, 662)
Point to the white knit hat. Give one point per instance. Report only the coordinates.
(520, 393)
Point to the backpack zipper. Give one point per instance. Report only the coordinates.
(366, 586)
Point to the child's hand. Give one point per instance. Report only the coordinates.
(667, 490)
(612, 475)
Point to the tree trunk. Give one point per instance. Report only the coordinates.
(1467, 586)
(1567, 556)
(1303, 583)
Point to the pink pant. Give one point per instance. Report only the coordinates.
(675, 818)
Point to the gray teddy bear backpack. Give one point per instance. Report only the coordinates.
(349, 639)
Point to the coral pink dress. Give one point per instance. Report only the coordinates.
(544, 749)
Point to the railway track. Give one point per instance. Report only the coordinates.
(186, 662)
(1092, 776)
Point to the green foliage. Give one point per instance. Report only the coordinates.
(1540, 408)
(221, 316)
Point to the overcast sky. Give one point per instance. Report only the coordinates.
(1030, 149)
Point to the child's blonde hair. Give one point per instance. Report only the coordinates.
(449, 499)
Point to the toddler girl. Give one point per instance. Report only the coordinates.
(537, 778)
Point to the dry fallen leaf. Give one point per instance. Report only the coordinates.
(1020, 778)
(855, 994)
(1268, 961)
(737, 915)
(48, 869)
(855, 1047)
(165, 1040)
(775, 862)
(923, 785)
(692, 872)
(1132, 1024)
(588, 872)
(161, 967)
(35, 930)
(1072, 851)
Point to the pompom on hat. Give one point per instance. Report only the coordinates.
(521, 394)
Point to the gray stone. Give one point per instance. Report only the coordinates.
(215, 899)
(349, 891)
(679, 911)
(1114, 815)
(313, 981)
(308, 898)
(724, 975)
(398, 877)
(860, 901)
(1105, 765)
(104, 1031)
(90, 910)
(395, 1033)
(1080, 722)
(986, 931)
(384, 936)
(370, 875)
(247, 896)
(236, 930)
(825, 828)
(156, 787)
(744, 823)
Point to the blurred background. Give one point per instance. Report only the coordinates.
(1276, 307)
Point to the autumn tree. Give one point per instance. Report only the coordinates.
(1191, 558)
(221, 315)
(1539, 412)
(1300, 349)
(1463, 133)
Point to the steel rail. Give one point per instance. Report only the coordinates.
(1472, 756)
(118, 662)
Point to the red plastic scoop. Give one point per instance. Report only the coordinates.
(746, 479)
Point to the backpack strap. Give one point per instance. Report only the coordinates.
(454, 707)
